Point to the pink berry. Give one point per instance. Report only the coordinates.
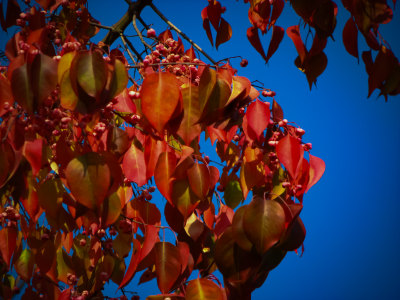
(151, 33)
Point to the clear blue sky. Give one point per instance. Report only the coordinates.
(351, 215)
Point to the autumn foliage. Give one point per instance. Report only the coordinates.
(91, 132)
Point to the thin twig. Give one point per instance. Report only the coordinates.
(180, 32)
(102, 26)
(143, 23)
(126, 48)
(139, 33)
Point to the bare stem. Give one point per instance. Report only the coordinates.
(124, 41)
(180, 32)
(139, 33)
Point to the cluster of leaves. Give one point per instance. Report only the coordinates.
(319, 19)
(80, 152)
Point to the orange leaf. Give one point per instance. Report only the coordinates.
(162, 174)
(199, 179)
(160, 96)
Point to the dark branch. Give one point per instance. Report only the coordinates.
(119, 27)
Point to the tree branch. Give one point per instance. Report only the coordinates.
(139, 33)
(134, 8)
(180, 32)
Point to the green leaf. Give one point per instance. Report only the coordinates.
(233, 194)
(264, 223)
(88, 177)
(24, 264)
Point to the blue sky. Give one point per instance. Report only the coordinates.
(351, 215)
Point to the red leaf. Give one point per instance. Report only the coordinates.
(206, 25)
(152, 150)
(168, 265)
(277, 36)
(214, 11)
(165, 167)
(252, 35)
(8, 241)
(277, 112)
(160, 96)
(88, 177)
(224, 33)
(134, 166)
(135, 259)
(384, 63)
(43, 76)
(276, 11)
(317, 169)
(290, 154)
(22, 88)
(188, 129)
(203, 289)
(350, 35)
(257, 117)
(294, 33)
(199, 179)
(183, 197)
(33, 152)
(263, 223)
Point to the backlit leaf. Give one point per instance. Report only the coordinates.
(264, 223)
(24, 264)
(294, 33)
(233, 194)
(183, 198)
(88, 177)
(160, 96)
(317, 169)
(68, 97)
(238, 232)
(257, 117)
(203, 289)
(134, 166)
(290, 154)
(168, 265)
(22, 88)
(188, 129)
(224, 33)
(43, 74)
(276, 39)
(165, 167)
(199, 179)
(252, 35)
(90, 71)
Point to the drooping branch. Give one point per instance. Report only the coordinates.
(180, 32)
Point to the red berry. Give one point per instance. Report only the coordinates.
(244, 63)
(82, 242)
(151, 33)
